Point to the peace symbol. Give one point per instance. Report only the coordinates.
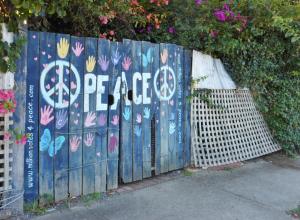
(165, 92)
(60, 87)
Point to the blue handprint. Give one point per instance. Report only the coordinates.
(146, 112)
(127, 113)
(115, 57)
(172, 127)
(137, 130)
(61, 119)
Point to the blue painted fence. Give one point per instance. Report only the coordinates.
(101, 113)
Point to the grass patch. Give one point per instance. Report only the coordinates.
(295, 212)
(34, 208)
(88, 199)
(187, 173)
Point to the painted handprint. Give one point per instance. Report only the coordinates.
(63, 47)
(74, 143)
(139, 118)
(102, 119)
(126, 63)
(61, 119)
(115, 120)
(164, 56)
(137, 130)
(172, 127)
(78, 49)
(147, 113)
(104, 63)
(46, 113)
(90, 119)
(89, 139)
(113, 143)
(90, 64)
(115, 57)
(127, 113)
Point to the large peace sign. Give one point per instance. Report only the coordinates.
(60, 87)
(166, 90)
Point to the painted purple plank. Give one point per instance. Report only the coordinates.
(75, 115)
(48, 81)
(31, 149)
(62, 100)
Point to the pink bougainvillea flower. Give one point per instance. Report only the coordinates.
(198, 2)
(220, 15)
(103, 20)
(171, 30)
(104, 35)
(7, 136)
(214, 33)
(111, 33)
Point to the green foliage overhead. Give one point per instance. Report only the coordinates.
(258, 40)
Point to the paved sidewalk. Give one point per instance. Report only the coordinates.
(258, 190)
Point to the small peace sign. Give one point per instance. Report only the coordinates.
(166, 90)
(60, 87)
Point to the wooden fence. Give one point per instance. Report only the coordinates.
(101, 113)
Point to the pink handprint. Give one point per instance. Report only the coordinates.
(139, 118)
(89, 139)
(113, 142)
(74, 143)
(78, 49)
(126, 63)
(90, 119)
(115, 120)
(104, 63)
(102, 120)
(46, 117)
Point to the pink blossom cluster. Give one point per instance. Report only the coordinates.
(7, 101)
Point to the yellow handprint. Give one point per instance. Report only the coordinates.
(63, 48)
(90, 64)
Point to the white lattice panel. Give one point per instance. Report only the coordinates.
(5, 154)
(229, 130)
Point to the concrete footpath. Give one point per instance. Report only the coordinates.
(262, 189)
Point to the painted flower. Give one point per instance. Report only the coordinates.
(22, 140)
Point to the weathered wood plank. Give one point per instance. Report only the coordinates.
(155, 84)
(61, 144)
(164, 114)
(48, 81)
(75, 115)
(171, 105)
(31, 149)
(89, 130)
(126, 109)
(137, 111)
(102, 113)
(147, 69)
(179, 107)
(187, 107)
(114, 114)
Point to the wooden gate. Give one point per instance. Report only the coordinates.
(101, 113)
